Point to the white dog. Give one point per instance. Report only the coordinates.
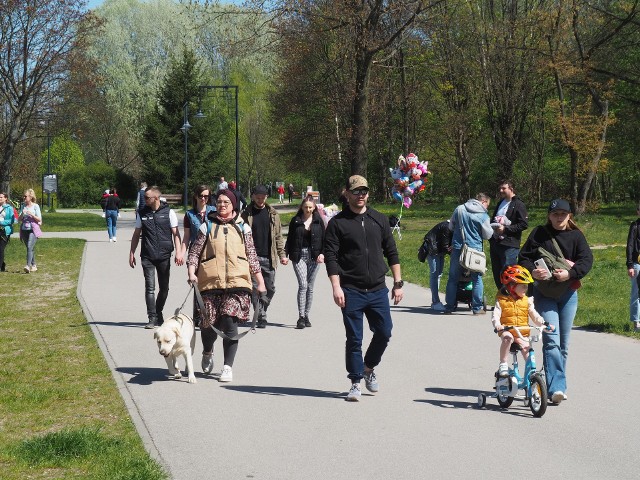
(175, 337)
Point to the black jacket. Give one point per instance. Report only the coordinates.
(571, 242)
(355, 248)
(157, 237)
(633, 244)
(295, 237)
(438, 239)
(517, 213)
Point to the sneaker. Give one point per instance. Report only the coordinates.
(34, 268)
(207, 363)
(637, 327)
(557, 397)
(226, 375)
(110, 240)
(26, 269)
(115, 239)
(307, 323)
(371, 382)
(503, 370)
(477, 312)
(565, 396)
(150, 324)
(262, 324)
(437, 307)
(300, 324)
(354, 393)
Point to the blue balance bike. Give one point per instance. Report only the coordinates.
(533, 383)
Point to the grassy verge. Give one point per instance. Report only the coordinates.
(72, 222)
(61, 414)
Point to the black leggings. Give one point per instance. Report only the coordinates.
(228, 325)
(4, 240)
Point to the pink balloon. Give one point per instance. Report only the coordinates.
(407, 202)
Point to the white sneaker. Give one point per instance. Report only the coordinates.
(503, 370)
(354, 393)
(115, 239)
(636, 327)
(226, 375)
(34, 268)
(110, 240)
(207, 363)
(26, 269)
(437, 307)
(557, 397)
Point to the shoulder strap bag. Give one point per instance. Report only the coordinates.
(470, 258)
(552, 288)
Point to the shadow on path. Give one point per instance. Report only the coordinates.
(286, 391)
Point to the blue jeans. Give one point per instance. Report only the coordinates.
(112, 219)
(555, 345)
(501, 257)
(452, 285)
(634, 304)
(375, 305)
(436, 264)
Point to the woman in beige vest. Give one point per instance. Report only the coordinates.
(221, 262)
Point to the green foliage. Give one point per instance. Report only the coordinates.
(65, 154)
(84, 185)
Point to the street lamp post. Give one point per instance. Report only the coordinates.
(200, 114)
(48, 163)
(185, 129)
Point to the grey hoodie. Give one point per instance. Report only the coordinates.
(473, 217)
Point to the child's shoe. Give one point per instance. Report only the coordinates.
(503, 370)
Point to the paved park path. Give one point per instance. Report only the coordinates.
(284, 416)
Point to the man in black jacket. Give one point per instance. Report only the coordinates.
(509, 220)
(438, 241)
(357, 241)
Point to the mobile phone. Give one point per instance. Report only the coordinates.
(541, 265)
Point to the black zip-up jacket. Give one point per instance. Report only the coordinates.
(633, 244)
(295, 237)
(439, 238)
(157, 238)
(517, 213)
(355, 247)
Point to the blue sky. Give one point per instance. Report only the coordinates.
(94, 3)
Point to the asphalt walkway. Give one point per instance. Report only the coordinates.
(284, 415)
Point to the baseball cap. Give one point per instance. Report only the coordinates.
(260, 190)
(559, 204)
(357, 181)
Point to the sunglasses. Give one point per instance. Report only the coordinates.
(360, 191)
(203, 196)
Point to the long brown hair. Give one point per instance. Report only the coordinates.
(308, 198)
(571, 225)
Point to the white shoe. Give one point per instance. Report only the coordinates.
(34, 268)
(354, 393)
(226, 375)
(115, 239)
(26, 269)
(207, 363)
(437, 307)
(110, 240)
(503, 370)
(557, 397)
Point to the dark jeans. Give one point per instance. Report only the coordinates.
(375, 305)
(269, 276)
(501, 257)
(4, 241)
(228, 325)
(149, 269)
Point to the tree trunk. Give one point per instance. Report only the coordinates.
(360, 125)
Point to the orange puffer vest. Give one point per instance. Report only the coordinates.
(223, 262)
(514, 312)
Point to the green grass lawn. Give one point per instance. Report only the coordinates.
(72, 222)
(61, 416)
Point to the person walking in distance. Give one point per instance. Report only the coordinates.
(6, 226)
(112, 212)
(304, 247)
(266, 229)
(140, 198)
(509, 220)
(160, 236)
(471, 216)
(290, 191)
(633, 270)
(357, 241)
(31, 218)
(438, 240)
(281, 193)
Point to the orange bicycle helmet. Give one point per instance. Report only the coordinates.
(515, 274)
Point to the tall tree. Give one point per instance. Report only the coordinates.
(37, 38)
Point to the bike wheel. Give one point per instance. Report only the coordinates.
(538, 399)
(482, 400)
(504, 400)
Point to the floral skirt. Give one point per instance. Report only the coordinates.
(236, 304)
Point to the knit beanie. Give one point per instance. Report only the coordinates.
(232, 197)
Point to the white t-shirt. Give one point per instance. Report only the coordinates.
(502, 208)
(173, 219)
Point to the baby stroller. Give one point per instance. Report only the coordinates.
(465, 287)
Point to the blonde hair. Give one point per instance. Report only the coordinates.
(32, 194)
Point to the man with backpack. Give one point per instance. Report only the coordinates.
(7, 219)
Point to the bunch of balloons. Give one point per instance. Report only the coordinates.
(409, 178)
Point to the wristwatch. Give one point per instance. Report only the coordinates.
(398, 284)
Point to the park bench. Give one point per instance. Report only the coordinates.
(172, 198)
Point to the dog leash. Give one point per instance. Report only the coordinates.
(263, 300)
